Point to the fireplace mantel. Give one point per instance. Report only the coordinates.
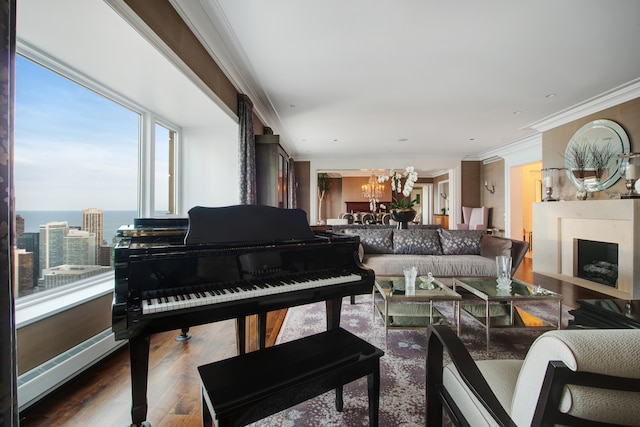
(556, 226)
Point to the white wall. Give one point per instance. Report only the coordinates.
(209, 165)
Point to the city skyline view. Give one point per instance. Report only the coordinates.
(74, 149)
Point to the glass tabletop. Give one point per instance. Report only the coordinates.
(487, 286)
(394, 287)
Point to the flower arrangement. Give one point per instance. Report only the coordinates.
(401, 191)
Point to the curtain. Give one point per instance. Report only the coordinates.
(247, 151)
(293, 202)
(8, 373)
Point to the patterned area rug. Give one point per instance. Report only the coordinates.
(402, 368)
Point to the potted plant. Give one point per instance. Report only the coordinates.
(324, 185)
(401, 186)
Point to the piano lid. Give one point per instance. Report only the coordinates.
(246, 223)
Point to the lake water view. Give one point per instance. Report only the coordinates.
(112, 220)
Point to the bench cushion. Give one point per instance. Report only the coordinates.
(251, 386)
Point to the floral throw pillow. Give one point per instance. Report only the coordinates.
(374, 241)
(416, 242)
(460, 242)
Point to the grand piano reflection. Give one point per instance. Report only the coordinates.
(225, 263)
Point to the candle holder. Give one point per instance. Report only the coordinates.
(629, 169)
(549, 177)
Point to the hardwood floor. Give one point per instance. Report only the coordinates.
(101, 396)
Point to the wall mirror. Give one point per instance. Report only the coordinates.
(591, 157)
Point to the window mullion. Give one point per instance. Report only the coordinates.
(147, 170)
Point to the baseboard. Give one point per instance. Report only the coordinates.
(44, 379)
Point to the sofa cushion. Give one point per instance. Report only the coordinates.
(491, 247)
(439, 265)
(416, 242)
(374, 241)
(460, 242)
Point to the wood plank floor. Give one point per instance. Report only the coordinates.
(102, 395)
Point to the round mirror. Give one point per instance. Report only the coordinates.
(591, 157)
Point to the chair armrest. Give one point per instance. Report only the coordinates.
(440, 338)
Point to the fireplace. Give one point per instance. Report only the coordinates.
(596, 261)
(557, 226)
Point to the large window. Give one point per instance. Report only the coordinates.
(77, 176)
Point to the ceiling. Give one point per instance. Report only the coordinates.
(444, 79)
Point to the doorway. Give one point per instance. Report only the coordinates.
(526, 189)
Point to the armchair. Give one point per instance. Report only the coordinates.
(474, 218)
(568, 377)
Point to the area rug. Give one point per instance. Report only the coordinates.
(402, 368)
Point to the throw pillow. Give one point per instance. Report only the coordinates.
(460, 242)
(416, 242)
(491, 247)
(374, 241)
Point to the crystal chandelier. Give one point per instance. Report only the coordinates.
(373, 189)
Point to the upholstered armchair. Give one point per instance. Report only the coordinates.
(568, 377)
(474, 218)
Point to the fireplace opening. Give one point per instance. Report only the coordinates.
(597, 261)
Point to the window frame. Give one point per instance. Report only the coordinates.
(33, 307)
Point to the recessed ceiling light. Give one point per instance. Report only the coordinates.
(551, 95)
(515, 113)
(472, 139)
(403, 140)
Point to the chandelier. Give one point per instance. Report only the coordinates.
(373, 189)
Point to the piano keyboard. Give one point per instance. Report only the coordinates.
(163, 301)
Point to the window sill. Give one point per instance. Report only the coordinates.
(41, 305)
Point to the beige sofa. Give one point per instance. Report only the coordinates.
(444, 253)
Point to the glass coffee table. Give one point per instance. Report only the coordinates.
(500, 309)
(401, 311)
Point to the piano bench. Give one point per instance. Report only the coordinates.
(246, 388)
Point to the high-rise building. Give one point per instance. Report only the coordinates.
(19, 225)
(30, 242)
(80, 248)
(93, 222)
(52, 236)
(23, 274)
(65, 274)
(105, 254)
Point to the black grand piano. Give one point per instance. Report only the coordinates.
(224, 263)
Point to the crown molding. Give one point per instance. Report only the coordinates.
(611, 98)
(207, 22)
(525, 144)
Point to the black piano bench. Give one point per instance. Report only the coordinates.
(246, 388)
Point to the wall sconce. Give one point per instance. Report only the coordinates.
(490, 188)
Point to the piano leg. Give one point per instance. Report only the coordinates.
(184, 335)
(333, 308)
(262, 330)
(139, 359)
(241, 325)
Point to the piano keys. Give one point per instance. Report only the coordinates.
(202, 295)
(225, 263)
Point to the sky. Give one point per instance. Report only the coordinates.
(74, 149)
